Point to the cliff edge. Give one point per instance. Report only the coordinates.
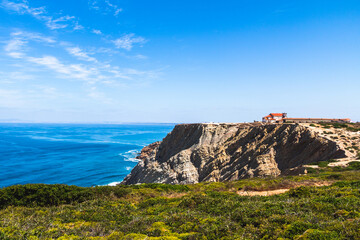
(194, 153)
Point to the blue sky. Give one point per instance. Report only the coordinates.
(178, 61)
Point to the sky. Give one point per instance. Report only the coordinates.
(115, 61)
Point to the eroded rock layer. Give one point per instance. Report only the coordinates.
(194, 153)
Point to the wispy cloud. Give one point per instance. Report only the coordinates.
(78, 26)
(128, 41)
(33, 36)
(58, 23)
(105, 7)
(115, 8)
(76, 71)
(15, 47)
(138, 56)
(96, 31)
(91, 72)
(40, 13)
(22, 7)
(80, 54)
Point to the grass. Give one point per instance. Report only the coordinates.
(197, 211)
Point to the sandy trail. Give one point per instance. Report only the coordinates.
(279, 191)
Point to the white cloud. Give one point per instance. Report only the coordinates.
(15, 47)
(127, 41)
(76, 71)
(77, 52)
(93, 4)
(91, 72)
(78, 26)
(139, 56)
(33, 36)
(115, 8)
(22, 7)
(96, 31)
(58, 23)
(105, 7)
(50, 62)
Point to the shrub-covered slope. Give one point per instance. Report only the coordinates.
(198, 211)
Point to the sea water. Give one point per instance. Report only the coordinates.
(74, 154)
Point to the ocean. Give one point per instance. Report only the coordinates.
(74, 154)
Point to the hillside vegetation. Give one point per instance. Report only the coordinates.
(198, 211)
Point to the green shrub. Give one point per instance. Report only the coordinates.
(198, 211)
(316, 234)
(43, 195)
(300, 192)
(352, 184)
(54, 195)
(161, 186)
(323, 164)
(354, 166)
(296, 228)
(334, 176)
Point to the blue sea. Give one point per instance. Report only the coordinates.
(74, 154)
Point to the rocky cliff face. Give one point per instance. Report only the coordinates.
(194, 153)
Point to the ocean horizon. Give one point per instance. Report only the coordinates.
(74, 154)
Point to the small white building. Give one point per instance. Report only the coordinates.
(274, 117)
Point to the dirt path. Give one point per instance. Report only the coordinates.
(343, 162)
(279, 191)
(263, 193)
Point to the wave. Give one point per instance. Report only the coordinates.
(130, 156)
(131, 160)
(113, 183)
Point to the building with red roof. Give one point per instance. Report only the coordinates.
(274, 117)
(282, 117)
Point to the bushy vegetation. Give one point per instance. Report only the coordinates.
(323, 163)
(353, 127)
(198, 211)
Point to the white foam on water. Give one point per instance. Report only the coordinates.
(128, 168)
(113, 184)
(130, 156)
(132, 160)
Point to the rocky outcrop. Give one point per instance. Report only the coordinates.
(194, 153)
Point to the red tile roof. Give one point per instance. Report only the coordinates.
(276, 114)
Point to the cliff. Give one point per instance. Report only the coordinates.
(194, 153)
